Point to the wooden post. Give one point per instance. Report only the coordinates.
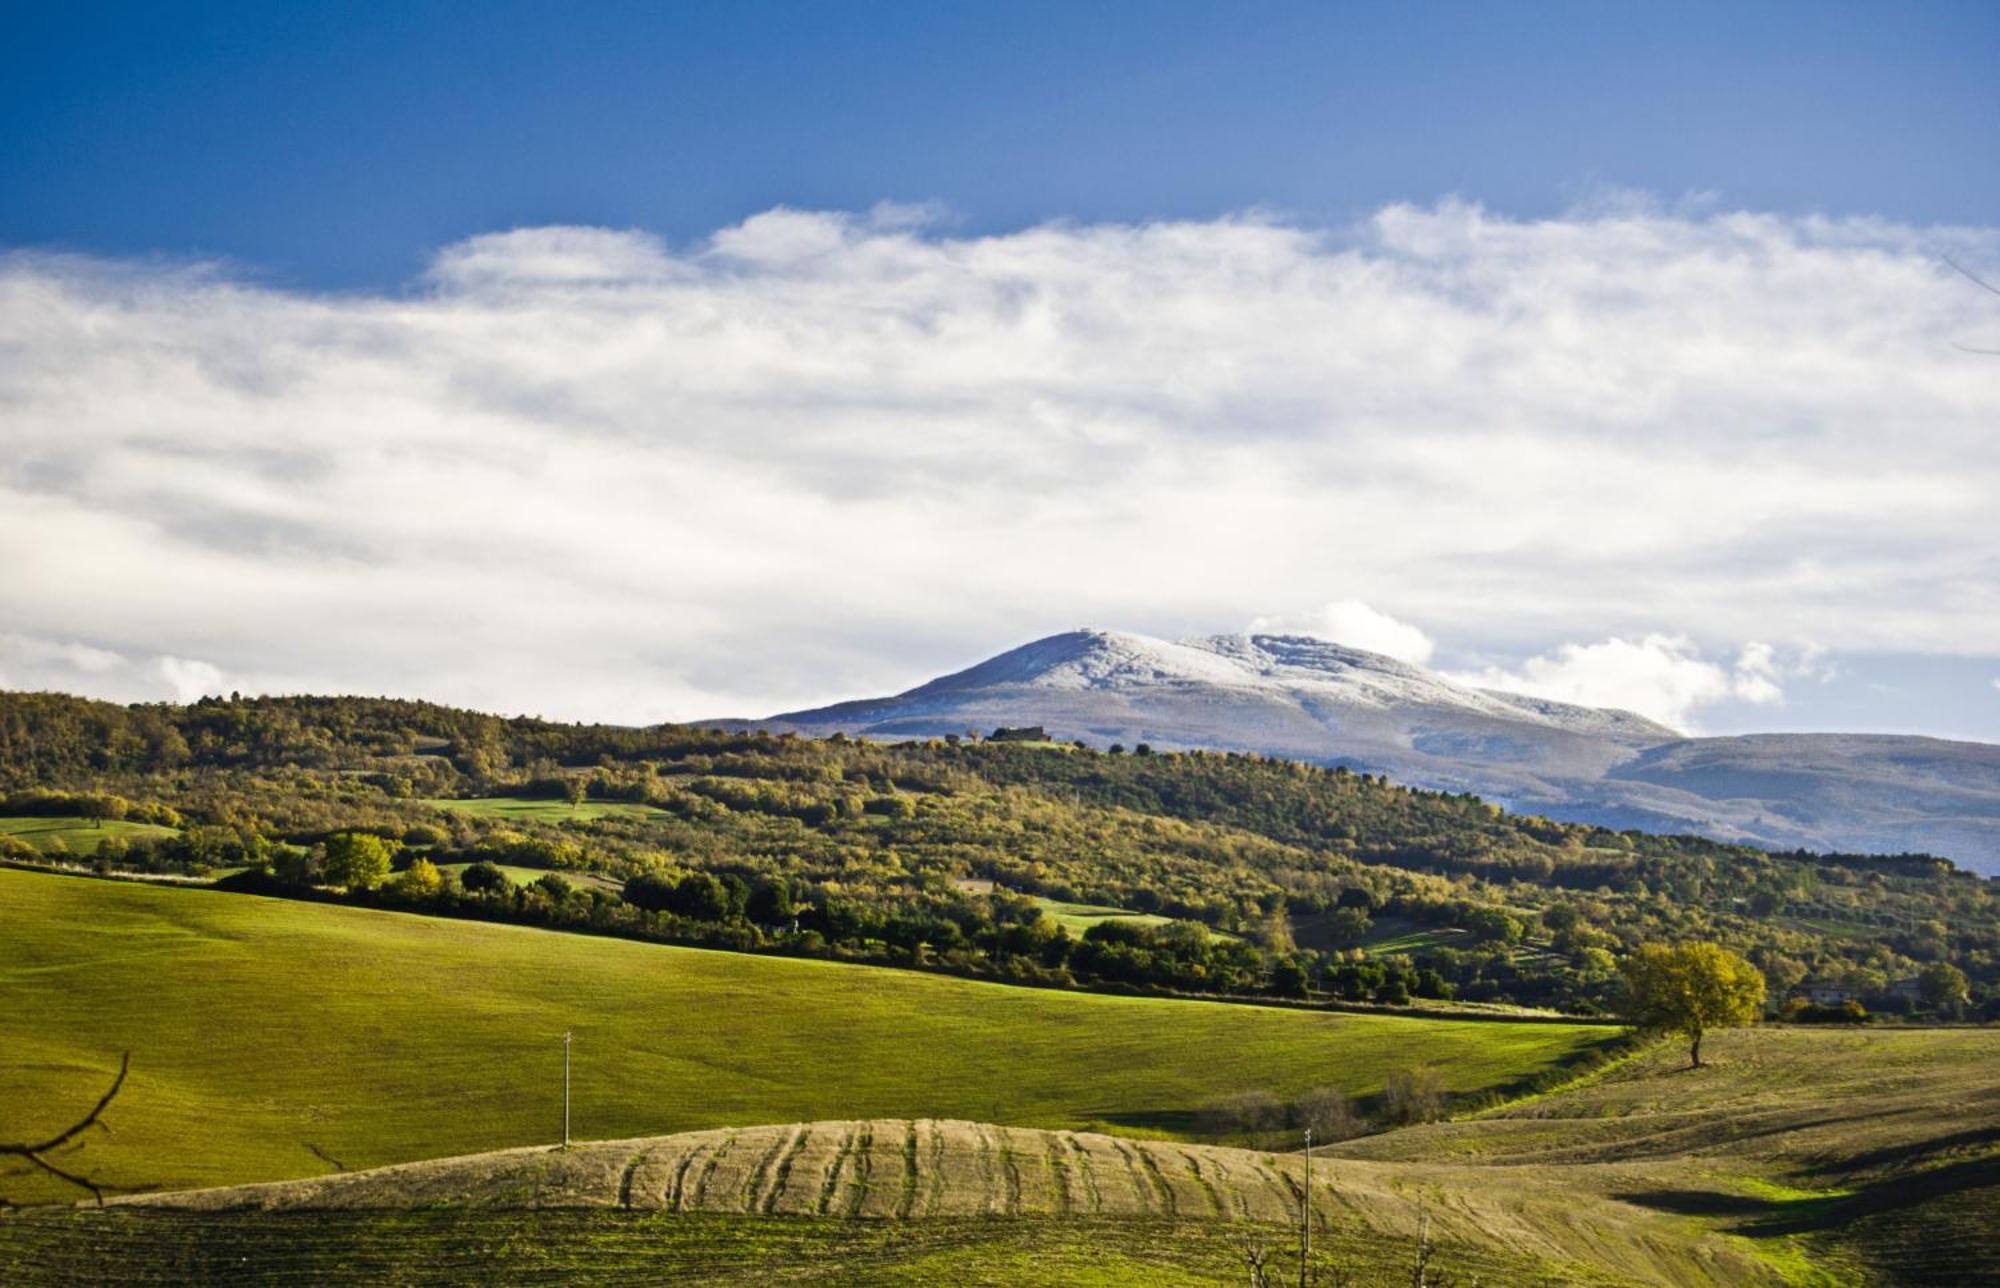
(1306, 1215)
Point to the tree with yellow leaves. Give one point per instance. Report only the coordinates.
(1689, 989)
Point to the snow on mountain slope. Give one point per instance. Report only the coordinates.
(1310, 699)
(1282, 668)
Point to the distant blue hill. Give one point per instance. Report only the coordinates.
(1312, 700)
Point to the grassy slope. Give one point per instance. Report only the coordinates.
(1823, 1156)
(572, 1246)
(543, 810)
(930, 1170)
(528, 876)
(1862, 1153)
(79, 836)
(262, 1030)
(1080, 917)
(1805, 1156)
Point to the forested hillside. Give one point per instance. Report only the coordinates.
(1197, 872)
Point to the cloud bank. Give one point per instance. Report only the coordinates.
(582, 472)
(1663, 677)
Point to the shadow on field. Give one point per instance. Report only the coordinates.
(1178, 1121)
(1885, 1196)
(1776, 1217)
(1893, 1155)
(1701, 1203)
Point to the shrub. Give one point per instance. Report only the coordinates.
(1800, 1011)
(699, 896)
(421, 880)
(483, 878)
(1288, 978)
(653, 891)
(1327, 1113)
(1245, 1113)
(770, 903)
(1413, 1096)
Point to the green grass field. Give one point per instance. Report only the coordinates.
(270, 1038)
(1799, 1156)
(1399, 936)
(1079, 917)
(267, 1035)
(543, 810)
(1836, 1156)
(77, 835)
(528, 876)
(581, 1246)
(1388, 935)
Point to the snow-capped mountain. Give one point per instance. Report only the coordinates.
(1307, 698)
(1285, 668)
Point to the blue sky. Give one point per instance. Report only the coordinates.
(644, 361)
(339, 145)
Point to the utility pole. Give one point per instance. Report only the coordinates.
(565, 1143)
(1306, 1216)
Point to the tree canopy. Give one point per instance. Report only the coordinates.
(357, 860)
(1691, 988)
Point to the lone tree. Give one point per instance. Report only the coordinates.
(99, 808)
(1689, 989)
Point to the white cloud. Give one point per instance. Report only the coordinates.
(1355, 624)
(71, 666)
(1757, 674)
(190, 678)
(1662, 677)
(550, 257)
(589, 474)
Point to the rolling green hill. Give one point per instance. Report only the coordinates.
(74, 835)
(871, 851)
(1798, 1156)
(454, 1245)
(927, 1171)
(271, 1037)
(1858, 1156)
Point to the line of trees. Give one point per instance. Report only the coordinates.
(1340, 883)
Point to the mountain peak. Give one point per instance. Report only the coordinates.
(1274, 654)
(1302, 675)
(1312, 699)
(1092, 658)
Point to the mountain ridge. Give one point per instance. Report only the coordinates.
(1306, 698)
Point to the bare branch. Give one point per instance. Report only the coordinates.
(33, 1151)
